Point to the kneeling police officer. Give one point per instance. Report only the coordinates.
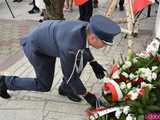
(69, 41)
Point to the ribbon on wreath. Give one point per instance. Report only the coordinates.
(114, 88)
(95, 114)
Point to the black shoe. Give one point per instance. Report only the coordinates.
(17, 0)
(67, 91)
(93, 100)
(3, 88)
(42, 14)
(34, 10)
(95, 3)
(31, 3)
(40, 21)
(121, 8)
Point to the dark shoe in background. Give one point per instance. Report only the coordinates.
(121, 8)
(34, 10)
(3, 88)
(95, 3)
(17, 0)
(42, 14)
(67, 91)
(31, 3)
(40, 21)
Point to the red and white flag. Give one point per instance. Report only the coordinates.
(139, 5)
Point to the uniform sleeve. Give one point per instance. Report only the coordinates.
(88, 55)
(67, 60)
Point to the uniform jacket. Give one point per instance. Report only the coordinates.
(58, 38)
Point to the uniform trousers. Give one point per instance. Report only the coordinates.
(44, 67)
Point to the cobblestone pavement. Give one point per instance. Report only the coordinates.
(10, 35)
(50, 106)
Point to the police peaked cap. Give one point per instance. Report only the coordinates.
(104, 28)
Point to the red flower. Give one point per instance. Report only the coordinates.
(115, 67)
(105, 87)
(126, 98)
(141, 92)
(118, 80)
(123, 78)
(140, 79)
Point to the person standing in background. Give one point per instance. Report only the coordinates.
(95, 3)
(42, 8)
(85, 9)
(121, 5)
(68, 6)
(55, 9)
(35, 9)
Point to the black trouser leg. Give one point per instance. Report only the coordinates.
(86, 11)
(121, 5)
(34, 5)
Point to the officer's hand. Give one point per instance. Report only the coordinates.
(98, 69)
(93, 100)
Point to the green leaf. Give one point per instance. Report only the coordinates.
(140, 117)
(131, 55)
(123, 117)
(99, 118)
(145, 98)
(152, 108)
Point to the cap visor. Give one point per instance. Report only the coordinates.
(108, 43)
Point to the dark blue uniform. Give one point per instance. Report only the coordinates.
(51, 39)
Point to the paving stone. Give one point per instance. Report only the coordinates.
(64, 116)
(20, 114)
(23, 104)
(74, 109)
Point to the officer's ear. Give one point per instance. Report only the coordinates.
(92, 39)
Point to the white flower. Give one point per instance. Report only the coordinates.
(154, 76)
(154, 68)
(122, 85)
(126, 65)
(144, 54)
(133, 94)
(116, 74)
(145, 73)
(125, 74)
(130, 117)
(149, 78)
(118, 113)
(135, 60)
(143, 84)
(129, 85)
(151, 50)
(138, 90)
(153, 47)
(131, 76)
(126, 110)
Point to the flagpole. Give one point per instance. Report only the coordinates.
(9, 9)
